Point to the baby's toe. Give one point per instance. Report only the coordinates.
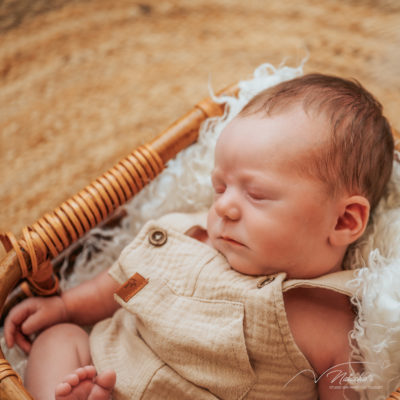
(63, 389)
(106, 379)
(87, 372)
(90, 371)
(72, 379)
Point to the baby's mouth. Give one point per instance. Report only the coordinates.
(231, 241)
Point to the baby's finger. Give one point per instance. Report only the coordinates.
(22, 316)
(22, 342)
(14, 319)
(19, 313)
(9, 331)
(34, 323)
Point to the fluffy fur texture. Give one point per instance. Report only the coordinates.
(376, 333)
(185, 186)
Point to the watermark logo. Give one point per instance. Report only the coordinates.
(340, 376)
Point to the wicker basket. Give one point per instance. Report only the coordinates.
(56, 231)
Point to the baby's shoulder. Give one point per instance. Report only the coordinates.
(320, 321)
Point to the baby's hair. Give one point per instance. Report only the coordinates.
(359, 155)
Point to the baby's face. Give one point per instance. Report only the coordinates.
(266, 217)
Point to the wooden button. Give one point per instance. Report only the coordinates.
(158, 237)
(264, 281)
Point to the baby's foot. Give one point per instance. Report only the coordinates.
(83, 384)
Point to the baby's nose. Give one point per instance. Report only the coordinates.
(227, 206)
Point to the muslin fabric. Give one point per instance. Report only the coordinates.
(198, 329)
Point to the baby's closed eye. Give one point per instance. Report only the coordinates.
(257, 195)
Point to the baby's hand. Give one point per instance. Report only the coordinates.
(31, 316)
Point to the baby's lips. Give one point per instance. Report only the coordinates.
(230, 240)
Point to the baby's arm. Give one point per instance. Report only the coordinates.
(86, 304)
(91, 301)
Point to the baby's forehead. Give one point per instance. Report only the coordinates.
(294, 141)
(295, 122)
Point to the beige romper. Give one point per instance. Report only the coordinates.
(197, 329)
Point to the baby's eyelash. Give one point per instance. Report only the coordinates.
(257, 196)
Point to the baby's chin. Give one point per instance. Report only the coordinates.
(250, 269)
(240, 263)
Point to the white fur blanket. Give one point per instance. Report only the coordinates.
(185, 186)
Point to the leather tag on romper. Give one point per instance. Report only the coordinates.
(133, 285)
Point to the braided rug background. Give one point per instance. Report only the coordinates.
(83, 82)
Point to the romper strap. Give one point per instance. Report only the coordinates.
(336, 281)
(182, 222)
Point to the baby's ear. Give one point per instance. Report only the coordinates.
(351, 222)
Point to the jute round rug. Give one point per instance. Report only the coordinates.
(82, 83)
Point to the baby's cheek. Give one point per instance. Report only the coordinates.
(211, 220)
(274, 242)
